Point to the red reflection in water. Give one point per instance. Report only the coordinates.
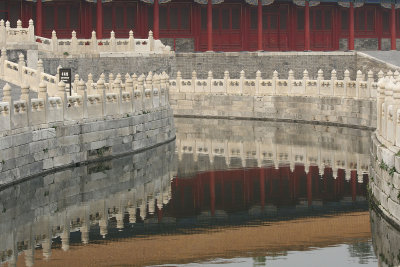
(240, 189)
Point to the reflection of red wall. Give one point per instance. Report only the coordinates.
(239, 189)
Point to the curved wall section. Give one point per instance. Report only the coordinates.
(323, 110)
(343, 102)
(32, 150)
(385, 151)
(384, 184)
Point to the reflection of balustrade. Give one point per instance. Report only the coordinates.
(148, 192)
(273, 145)
(88, 100)
(275, 155)
(360, 88)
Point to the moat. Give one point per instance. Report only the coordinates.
(230, 192)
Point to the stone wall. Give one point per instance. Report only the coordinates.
(386, 240)
(217, 62)
(27, 153)
(326, 110)
(98, 65)
(384, 184)
(365, 62)
(179, 44)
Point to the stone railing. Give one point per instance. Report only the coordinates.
(23, 76)
(388, 110)
(385, 152)
(75, 46)
(343, 102)
(19, 35)
(89, 100)
(360, 88)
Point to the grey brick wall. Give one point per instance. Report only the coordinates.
(217, 62)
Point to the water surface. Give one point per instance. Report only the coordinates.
(226, 192)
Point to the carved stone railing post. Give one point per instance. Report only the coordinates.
(151, 41)
(178, 80)
(58, 73)
(3, 33)
(130, 89)
(333, 81)
(40, 70)
(131, 41)
(112, 41)
(7, 93)
(42, 90)
(3, 59)
(163, 89)
(61, 90)
(359, 78)
(157, 91)
(149, 92)
(93, 42)
(380, 74)
(241, 83)
(139, 94)
(117, 88)
(387, 101)
(110, 82)
(370, 81)
(128, 84)
(396, 115)
(194, 80)
(75, 83)
(166, 77)
(320, 78)
(305, 80)
(290, 81)
(346, 79)
(54, 42)
(396, 75)
(209, 81)
(101, 89)
(74, 43)
(275, 77)
(379, 103)
(258, 80)
(127, 76)
(25, 92)
(390, 74)
(43, 95)
(31, 31)
(7, 28)
(134, 80)
(226, 78)
(89, 84)
(21, 64)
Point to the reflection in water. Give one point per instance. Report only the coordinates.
(297, 186)
(386, 240)
(96, 201)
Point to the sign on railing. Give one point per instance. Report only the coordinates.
(66, 77)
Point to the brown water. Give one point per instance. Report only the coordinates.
(238, 193)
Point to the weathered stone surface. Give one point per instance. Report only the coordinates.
(331, 110)
(32, 152)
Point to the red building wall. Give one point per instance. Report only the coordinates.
(234, 22)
